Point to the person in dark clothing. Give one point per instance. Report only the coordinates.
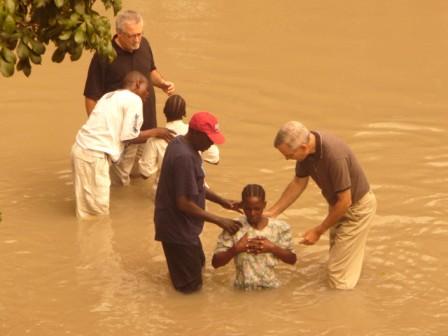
(180, 203)
(133, 53)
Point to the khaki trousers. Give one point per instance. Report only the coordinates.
(91, 181)
(122, 171)
(348, 241)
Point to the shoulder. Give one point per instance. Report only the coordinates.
(279, 224)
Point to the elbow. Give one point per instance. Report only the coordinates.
(215, 262)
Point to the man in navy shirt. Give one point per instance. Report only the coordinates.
(180, 203)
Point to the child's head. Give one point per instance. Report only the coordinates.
(174, 108)
(253, 202)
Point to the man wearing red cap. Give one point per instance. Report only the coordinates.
(180, 203)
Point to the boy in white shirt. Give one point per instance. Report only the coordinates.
(114, 123)
(151, 160)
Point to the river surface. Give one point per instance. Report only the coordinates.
(373, 72)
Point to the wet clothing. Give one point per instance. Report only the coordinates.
(254, 271)
(181, 175)
(334, 168)
(185, 263)
(117, 117)
(105, 77)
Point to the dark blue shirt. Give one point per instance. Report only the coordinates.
(181, 175)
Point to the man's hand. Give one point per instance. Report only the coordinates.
(231, 205)
(164, 133)
(168, 87)
(229, 225)
(311, 236)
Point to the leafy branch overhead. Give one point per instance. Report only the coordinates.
(28, 26)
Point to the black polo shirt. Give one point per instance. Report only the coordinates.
(181, 175)
(104, 77)
(334, 168)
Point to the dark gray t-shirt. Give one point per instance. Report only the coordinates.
(104, 77)
(181, 175)
(334, 168)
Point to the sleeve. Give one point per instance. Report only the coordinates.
(152, 65)
(340, 175)
(224, 242)
(95, 83)
(211, 155)
(302, 169)
(150, 161)
(284, 236)
(188, 178)
(132, 117)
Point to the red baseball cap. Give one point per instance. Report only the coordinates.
(207, 123)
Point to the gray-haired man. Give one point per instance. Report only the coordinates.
(133, 53)
(352, 205)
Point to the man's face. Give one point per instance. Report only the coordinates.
(298, 154)
(142, 90)
(131, 35)
(202, 141)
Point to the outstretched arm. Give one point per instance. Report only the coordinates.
(335, 212)
(157, 80)
(291, 193)
(188, 206)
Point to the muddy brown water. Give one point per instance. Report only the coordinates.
(373, 72)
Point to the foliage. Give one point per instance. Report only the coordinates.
(28, 26)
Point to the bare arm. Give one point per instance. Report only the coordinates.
(291, 193)
(90, 105)
(158, 132)
(158, 81)
(335, 213)
(186, 205)
(222, 258)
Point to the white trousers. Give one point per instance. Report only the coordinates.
(348, 242)
(91, 182)
(122, 171)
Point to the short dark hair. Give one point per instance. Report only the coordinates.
(174, 108)
(132, 78)
(253, 190)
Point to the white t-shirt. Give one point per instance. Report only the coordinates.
(152, 157)
(117, 117)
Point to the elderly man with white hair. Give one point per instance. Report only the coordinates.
(352, 205)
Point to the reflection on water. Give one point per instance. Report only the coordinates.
(372, 72)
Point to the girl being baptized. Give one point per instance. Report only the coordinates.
(258, 246)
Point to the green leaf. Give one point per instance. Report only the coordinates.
(9, 56)
(6, 68)
(76, 53)
(58, 55)
(10, 6)
(80, 35)
(80, 6)
(22, 51)
(65, 35)
(25, 66)
(37, 46)
(9, 25)
(35, 58)
(59, 3)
